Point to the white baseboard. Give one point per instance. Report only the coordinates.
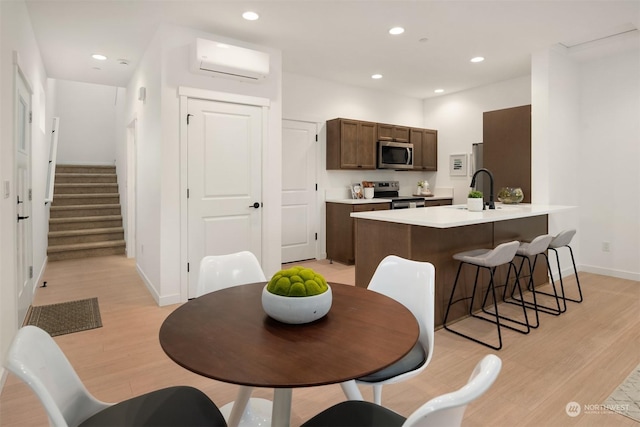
(160, 300)
(620, 274)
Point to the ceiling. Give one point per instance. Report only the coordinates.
(341, 41)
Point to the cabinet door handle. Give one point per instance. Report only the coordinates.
(256, 205)
(20, 218)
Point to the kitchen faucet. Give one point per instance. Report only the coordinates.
(491, 203)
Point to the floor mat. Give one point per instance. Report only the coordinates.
(67, 317)
(625, 399)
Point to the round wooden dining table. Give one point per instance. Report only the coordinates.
(227, 336)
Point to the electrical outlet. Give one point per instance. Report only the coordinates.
(606, 247)
(141, 249)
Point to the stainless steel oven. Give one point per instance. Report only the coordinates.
(390, 190)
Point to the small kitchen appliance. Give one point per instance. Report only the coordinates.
(395, 155)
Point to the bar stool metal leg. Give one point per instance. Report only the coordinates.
(575, 272)
(516, 284)
(472, 298)
(489, 259)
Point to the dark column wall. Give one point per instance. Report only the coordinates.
(507, 148)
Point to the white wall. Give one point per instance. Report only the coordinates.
(87, 116)
(458, 119)
(313, 100)
(148, 168)
(16, 35)
(555, 128)
(165, 68)
(608, 159)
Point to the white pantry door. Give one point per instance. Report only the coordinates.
(224, 181)
(299, 213)
(24, 245)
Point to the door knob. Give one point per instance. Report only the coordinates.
(20, 218)
(256, 205)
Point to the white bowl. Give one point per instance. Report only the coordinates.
(296, 310)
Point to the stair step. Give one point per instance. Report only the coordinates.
(92, 169)
(78, 223)
(66, 178)
(84, 210)
(85, 188)
(88, 235)
(85, 217)
(82, 250)
(85, 199)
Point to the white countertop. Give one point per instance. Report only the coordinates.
(458, 215)
(360, 201)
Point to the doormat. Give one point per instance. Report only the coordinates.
(66, 317)
(625, 400)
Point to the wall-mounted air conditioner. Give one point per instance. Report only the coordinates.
(225, 60)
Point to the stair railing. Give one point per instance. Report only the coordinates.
(53, 152)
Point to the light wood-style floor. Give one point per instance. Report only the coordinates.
(581, 356)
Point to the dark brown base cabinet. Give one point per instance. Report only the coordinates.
(438, 202)
(340, 229)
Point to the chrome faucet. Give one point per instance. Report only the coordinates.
(491, 203)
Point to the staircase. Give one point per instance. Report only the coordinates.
(85, 218)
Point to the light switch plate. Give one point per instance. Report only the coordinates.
(7, 189)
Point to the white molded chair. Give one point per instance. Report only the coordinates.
(224, 271)
(446, 410)
(412, 283)
(36, 359)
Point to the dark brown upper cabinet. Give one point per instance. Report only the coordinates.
(425, 149)
(351, 144)
(393, 133)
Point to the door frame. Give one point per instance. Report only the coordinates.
(18, 74)
(132, 187)
(185, 93)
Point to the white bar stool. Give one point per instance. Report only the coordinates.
(489, 259)
(562, 240)
(535, 248)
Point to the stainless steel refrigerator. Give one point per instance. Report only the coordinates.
(482, 181)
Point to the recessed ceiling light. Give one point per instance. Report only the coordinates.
(98, 57)
(250, 16)
(376, 76)
(439, 90)
(477, 59)
(396, 30)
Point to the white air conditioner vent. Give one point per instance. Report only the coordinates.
(225, 60)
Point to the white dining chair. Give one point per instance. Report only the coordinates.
(223, 271)
(411, 283)
(36, 359)
(446, 410)
(219, 272)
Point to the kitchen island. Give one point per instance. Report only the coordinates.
(435, 234)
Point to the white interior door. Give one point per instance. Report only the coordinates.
(299, 213)
(224, 181)
(24, 254)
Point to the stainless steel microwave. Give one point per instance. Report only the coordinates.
(395, 155)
